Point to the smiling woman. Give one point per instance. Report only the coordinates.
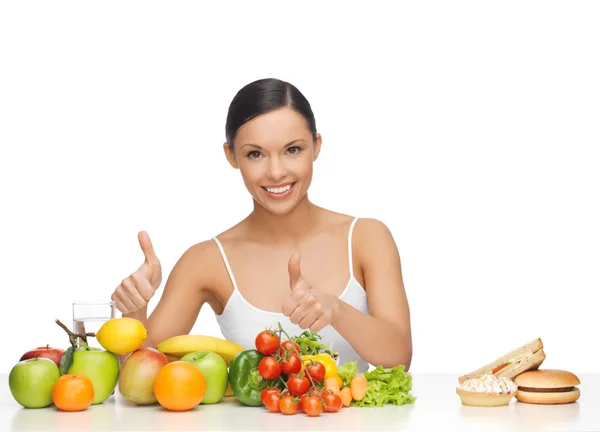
(260, 115)
(289, 261)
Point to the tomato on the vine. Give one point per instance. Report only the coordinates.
(268, 391)
(298, 385)
(313, 406)
(291, 365)
(316, 370)
(303, 399)
(287, 405)
(271, 401)
(332, 401)
(269, 368)
(290, 347)
(267, 342)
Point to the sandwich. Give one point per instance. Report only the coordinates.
(547, 386)
(527, 357)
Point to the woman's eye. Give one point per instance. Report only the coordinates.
(294, 150)
(254, 154)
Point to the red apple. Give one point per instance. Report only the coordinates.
(53, 354)
(138, 373)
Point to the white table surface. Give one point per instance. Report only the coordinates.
(438, 407)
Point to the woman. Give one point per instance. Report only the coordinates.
(289, 260)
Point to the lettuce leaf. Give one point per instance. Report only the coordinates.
(347, 371)
(387, 385)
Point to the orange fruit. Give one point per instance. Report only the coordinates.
(72, 392)
(179, 386)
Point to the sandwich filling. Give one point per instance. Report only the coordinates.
(503, 366)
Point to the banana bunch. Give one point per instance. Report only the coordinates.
(178, 346)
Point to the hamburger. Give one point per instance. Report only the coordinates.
(525, 358)
(547, 386)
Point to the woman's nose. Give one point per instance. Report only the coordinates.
(276, 169)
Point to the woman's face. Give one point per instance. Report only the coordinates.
(275, 153)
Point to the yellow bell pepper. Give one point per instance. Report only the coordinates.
(327, 361)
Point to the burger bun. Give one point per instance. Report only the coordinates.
(547, 386)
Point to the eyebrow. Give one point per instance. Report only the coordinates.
(287, 145)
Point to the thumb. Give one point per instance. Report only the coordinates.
(148, 249)
(294, 269)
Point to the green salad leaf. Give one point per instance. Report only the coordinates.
(347, 371)
(387, 385)
(310, 344)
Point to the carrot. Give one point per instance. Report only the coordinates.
(358, 387)
(346, 396)
(332, 384)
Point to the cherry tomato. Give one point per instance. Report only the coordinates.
(267, 342)
(292, 365)
(271, 401)
(332, 401)
(287, 405)
(291, 347)
(267, 391)
(316, 370)
(303, 399)
(312, 406)
(298, 385)
(269, 368)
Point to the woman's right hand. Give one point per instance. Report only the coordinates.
(136, 290)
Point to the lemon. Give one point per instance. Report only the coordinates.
(122, 335)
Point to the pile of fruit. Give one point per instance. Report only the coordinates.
(299, 374)
(183, 372)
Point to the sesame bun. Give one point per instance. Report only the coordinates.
(547, 386)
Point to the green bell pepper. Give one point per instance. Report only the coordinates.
(246, 382)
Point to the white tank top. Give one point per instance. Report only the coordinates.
(240, 321)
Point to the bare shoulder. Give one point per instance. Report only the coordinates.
(199, 261)
(204, 249)
(367, 228)
(373, 239)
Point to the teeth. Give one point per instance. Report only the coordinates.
(279, 190)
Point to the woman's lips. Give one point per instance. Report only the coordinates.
(279, 192)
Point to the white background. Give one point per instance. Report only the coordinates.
(470, 128)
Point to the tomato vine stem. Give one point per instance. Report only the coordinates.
(312, 383)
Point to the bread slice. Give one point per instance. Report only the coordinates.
(529, 357)
(531, 363)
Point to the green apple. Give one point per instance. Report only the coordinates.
(215, 373)
(31, 382)
(101, 367)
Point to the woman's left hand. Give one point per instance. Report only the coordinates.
(307, 306)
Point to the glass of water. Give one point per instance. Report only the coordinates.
(89, 316)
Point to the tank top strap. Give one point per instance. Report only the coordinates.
(350, 247)
(235, 287)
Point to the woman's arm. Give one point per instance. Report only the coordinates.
(383, 337)
(184, 294)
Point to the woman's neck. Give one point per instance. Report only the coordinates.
(291, 228)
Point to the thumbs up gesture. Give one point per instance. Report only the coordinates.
(136, 290)
(306, 306)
